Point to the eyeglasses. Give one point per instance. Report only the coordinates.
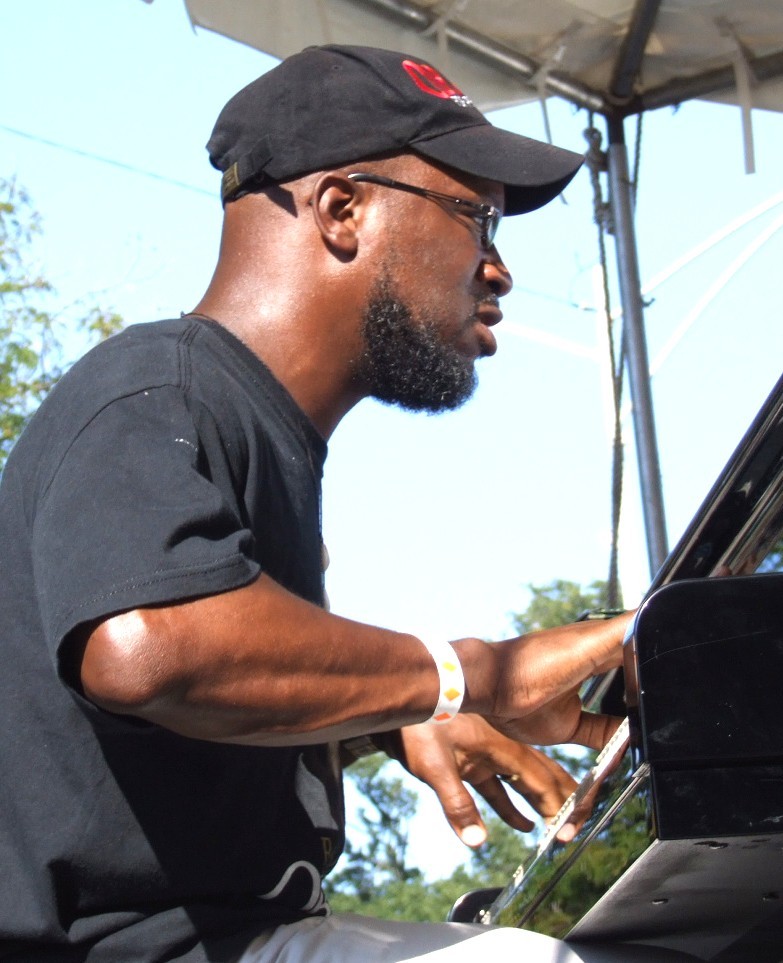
(484, 216)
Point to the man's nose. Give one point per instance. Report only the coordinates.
(494, 273)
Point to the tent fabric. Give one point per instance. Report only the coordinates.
(510, 51)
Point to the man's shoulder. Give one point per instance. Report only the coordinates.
(139, 356)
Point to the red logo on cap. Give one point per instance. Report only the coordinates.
(431, 82)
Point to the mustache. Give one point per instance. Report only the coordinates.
(490, 299)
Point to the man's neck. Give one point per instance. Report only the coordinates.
(317, 378)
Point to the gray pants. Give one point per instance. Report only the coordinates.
(361, 939)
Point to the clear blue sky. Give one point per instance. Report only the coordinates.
(434, 524)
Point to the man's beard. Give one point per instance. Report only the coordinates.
(407, 363)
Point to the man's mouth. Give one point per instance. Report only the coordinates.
(488, 344)
(487, 314)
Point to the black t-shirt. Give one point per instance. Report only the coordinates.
(167, 464)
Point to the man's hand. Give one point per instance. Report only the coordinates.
(469, 750)
(532, 692)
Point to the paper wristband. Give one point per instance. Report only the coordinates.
(452, 681)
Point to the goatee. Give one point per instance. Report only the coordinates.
(407, 363)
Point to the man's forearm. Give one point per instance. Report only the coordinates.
(260, 666)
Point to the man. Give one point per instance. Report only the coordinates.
(174, 693)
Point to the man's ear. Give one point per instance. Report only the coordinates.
(337, 207)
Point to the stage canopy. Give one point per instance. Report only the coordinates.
(607, 55)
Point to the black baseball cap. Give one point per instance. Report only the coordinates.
(333, 105)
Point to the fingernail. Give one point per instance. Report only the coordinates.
(473, 835)
(566, 833)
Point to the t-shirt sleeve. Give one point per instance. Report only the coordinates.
(133, 517)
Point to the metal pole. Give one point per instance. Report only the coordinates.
(638, 366)
(631, 53)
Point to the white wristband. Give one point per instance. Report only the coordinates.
(452, 681)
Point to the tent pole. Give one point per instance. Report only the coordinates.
(638, 366)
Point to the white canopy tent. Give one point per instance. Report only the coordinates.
(607, 55)
(616, 58)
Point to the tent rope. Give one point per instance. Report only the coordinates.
(597, 164)
(637, 155)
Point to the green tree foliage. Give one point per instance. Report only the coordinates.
(380, 858)
(774, 560)
(32, 336)
(505, 850)
(596, 868)
(374, 878)
(559, 603)
(416, 899)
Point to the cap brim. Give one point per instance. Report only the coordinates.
(533, 172)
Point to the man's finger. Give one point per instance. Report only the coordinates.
(493, 792)
(594, 730)
(460, 810)
(542, 782)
